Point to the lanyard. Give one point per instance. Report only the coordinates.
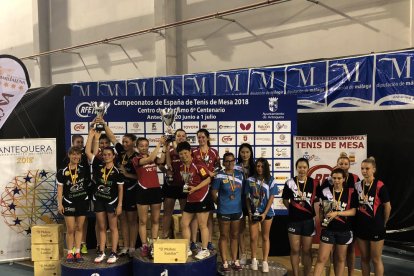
(232, 185)
(337, 202)
(105, 175)
(365, 195)
(304, 187)
(73, 177)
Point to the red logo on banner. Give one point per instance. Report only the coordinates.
(245, 127)
(78, 127)
(226, 139)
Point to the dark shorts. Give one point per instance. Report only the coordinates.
(175, 192)
(302, 228)
(75, 209)
(336, 237)
(129, 202)
(370, 235)
(230, 217)
(199, 207)
(148, 196)
(104, 206)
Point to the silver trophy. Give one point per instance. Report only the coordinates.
(327, 207)
(168, 116)
(100, 109)
(255, 202)
(186, 178)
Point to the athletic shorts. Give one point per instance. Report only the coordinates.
(367, 235)
(175, 192)
(129, 202)
(336, 237)
(230, 217)
(148, 196)
(199, 207)
(104, 206)
(75, 209)
(302, 228)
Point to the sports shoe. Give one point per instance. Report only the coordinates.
(202, 254)
(243, 259)
(189, 252)
(226, 267)
(79, 258)
(112, 258)
(144, 250)
(123, 251)
(236, 265)
(254, 264)
(151, 250)
(210, 246)
(84, 249)
(265, 267)
(101, 256)
(193, 246)
(70, 258)
(131, 252)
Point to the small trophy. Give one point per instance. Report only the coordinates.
(100, 109)
(168, 116)
(186, 177)
(327, 206)
(255, 208)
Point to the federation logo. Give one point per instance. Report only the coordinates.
(273, 104)
(84, 110)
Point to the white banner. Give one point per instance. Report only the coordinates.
(323, 152)
(28, 192)
(14, 82)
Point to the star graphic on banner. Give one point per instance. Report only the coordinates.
(13, 86)
(12, 206)
(6, 84)
(16, 191)
(43, 173)
(17, 221)
(28, 231)
(21, 87)
(27, 178)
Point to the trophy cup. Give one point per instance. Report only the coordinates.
(168, 116)
(100, 108)
(255, 208)
(186, 177)
(327, 206)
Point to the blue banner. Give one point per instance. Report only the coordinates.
(350, 82)
(394, 79)
(199, 84)
(140, 87)
(85, 89)
(168, 86)
(308, 82)
(264, 81)
(112, 88)
(231, 82)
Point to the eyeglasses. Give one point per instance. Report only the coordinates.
(229, 161)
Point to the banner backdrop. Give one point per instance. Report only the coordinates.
(28, 192)
(14, 82)
(268, 123)
(369, 82)
(323, 152)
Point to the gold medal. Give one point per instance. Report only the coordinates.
(301, 194)
(73, 177)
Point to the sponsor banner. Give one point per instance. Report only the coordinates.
(135, 127)
(324, 151)
(168, 86)
(117, 127)
(267, 81)
(245, 126)
(154, 127)
(350, 82)
(112, 88)
(210, 126)
(281, 165)
(308, 82)
(191, 127)
(199, 84)
(231, 82)
(282, 126)
(282, 152)
(245, 138)
(282, 139)
(79, 127)
(14, 82)
(140, 87)
(28, 192)
(227, 139)
(394, 79)
(263, 139)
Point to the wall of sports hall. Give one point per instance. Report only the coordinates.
(280, 33)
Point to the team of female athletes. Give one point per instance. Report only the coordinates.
(125, 184)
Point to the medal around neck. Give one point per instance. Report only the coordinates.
(100, 109)
(168, 116)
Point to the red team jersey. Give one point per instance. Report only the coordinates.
(197, 173)
(210, 159)
(147, 174)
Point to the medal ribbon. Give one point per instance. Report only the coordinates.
(304, 187)
(205, 155)
(232, 185)
(339, 199)
(105, 175)
(123, 159)
(73, 177)
(369, 189)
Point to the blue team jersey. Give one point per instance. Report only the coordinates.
(229, 192)
(259, 193)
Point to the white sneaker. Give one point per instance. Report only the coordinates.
(243, 259)
(123, 251)
(189, 252)
(202, 254)
(265, 267)
(101, 256)
(254, 264)
(112, 258)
